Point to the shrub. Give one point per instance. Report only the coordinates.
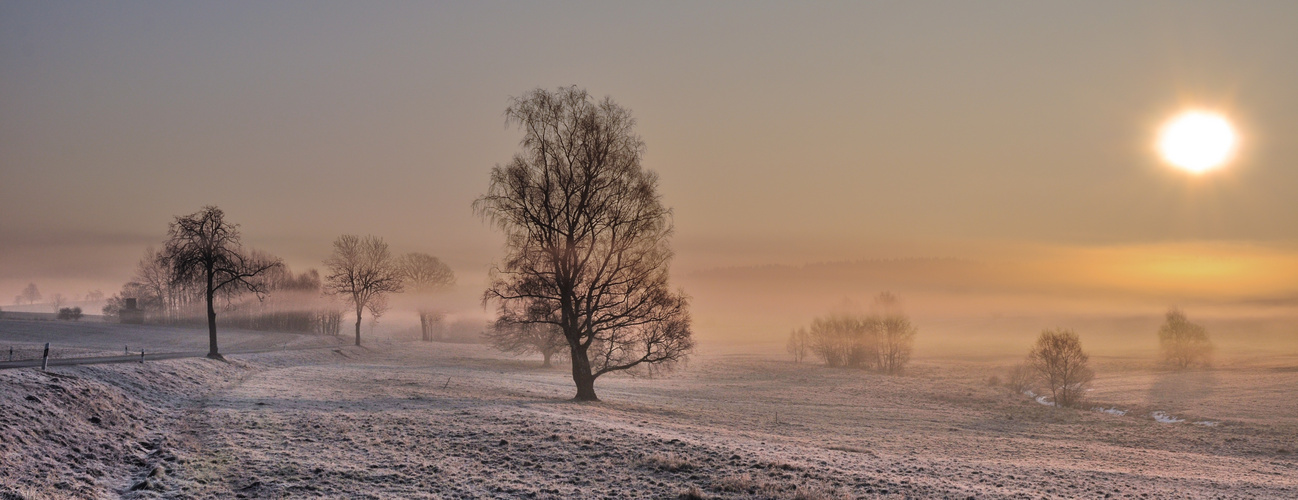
(1020, 378)
(669, 462)
(70, 313)
(882, 340)
(799, 344)
(1181, 343)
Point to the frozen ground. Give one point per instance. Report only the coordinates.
(69, 339)
(431, 420)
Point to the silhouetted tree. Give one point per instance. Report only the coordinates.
(363, 271)
(1182, 343)
(799, 344)
(425, 273)
(31, 294)
(545, 339)
(1059, 360)
(586, 237)
(203, 247)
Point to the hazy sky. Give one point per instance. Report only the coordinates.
(783, 133)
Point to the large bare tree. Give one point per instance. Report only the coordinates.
(586, 237)
(425, 274)
(203, 247)
(363, 271)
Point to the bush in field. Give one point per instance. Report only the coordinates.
(1020, 378)
(1181, 343)
(799, 344)
(70, 313)
(882, 340)
(1061, 364)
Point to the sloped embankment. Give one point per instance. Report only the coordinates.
(97, 431)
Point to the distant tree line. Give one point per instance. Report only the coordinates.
(203, 269)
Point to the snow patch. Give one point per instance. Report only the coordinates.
(1163, 417)
(1207, 423)
(1045, 401)
(1110, 411)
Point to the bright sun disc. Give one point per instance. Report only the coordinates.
(1197, 141)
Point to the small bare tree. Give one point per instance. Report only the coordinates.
(424, 274)
(1059, 360)
(1182, 343)
(799, 344)
(586, 237)
(57, 301)
(517, 338)
(894, 331)
(203, 247)
(363, 271)
(30, 294)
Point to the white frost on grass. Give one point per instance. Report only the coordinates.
(1163, 417)
(1207, 423)
(1110, 411)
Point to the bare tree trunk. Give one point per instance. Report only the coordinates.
(211, 320)
(358, 326)
(423, 326)
(546, 354)
(581, 375)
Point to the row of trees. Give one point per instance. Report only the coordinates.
(363, 270)
(204, 262)
(31, 294)
(881, 340)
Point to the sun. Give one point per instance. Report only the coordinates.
(1197, 141)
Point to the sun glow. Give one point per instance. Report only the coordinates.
(1197, 141)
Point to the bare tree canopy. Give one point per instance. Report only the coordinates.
(423, 274)
(203, 247)
(586, 237)
(545, 339)
(30, 294)
(363, 271)
(1059, 360)
(1182, 343)
(57, 301)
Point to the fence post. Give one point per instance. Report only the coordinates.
(45, 358)
(126, 349)
(141, 355)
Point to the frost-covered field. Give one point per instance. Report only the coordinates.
(69, 339)
(431, 420)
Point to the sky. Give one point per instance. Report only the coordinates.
(783, 133)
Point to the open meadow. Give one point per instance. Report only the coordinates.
(436, 420)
